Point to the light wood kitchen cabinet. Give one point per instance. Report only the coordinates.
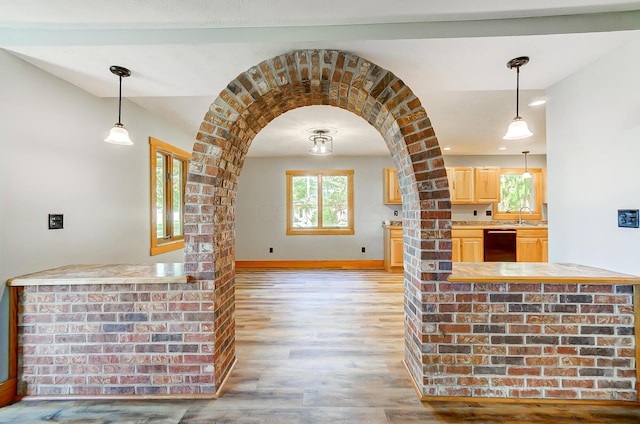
(487, 184)
(461, 184)
(469, 185)
(543, 185)
(391, 187)
(455, 248)
(393, 249)
(532, 245)
(467, 245)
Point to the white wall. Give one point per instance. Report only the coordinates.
(261, 211)
(593, 153)
(53, 160)
(261, 207)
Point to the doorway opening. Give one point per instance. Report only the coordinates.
(271, 88)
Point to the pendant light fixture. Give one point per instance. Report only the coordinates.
(119, 134)
(526, 174)
(518, 127)
(322, 143)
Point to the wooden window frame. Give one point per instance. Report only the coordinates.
(348, 230)
(536, 174)
(170, 152)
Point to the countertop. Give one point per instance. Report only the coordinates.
(539, 272)
(105, 274)
(481, 225)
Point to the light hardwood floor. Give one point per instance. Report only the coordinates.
(317, 346)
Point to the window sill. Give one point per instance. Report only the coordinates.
(167, 247)
(316, 232)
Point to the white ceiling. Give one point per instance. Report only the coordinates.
(452, 54)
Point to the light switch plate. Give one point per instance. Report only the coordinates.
(55, 221)
(628, 218)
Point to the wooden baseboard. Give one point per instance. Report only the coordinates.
(413, 381)
(8, 390)
(119, 397)
(372, 264)
(224, 381)
(468, 399)
(542, 401)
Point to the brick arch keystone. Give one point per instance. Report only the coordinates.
(248, 104)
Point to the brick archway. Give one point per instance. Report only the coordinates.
(286, 82)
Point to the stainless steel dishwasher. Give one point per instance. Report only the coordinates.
(499, 245)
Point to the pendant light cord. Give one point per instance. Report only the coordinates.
(120, 100)
(517, 90)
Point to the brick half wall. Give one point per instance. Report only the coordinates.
(530, 340)
(116, 339)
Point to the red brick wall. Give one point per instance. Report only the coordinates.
(112, 339)
(286, 82)
(519, 340)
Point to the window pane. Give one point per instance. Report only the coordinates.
(160, 195)
(516, 192)
(335, 210)
(304, 197)
(176, 180)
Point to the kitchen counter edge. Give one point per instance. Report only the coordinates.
(105, 274)
(536, 272)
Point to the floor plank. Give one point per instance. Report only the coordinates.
(318, 346)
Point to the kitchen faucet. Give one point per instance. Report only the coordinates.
(520, 213)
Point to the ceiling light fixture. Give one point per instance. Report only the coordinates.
(322, 143)
(526, 174)
(538, 102)
(119, 134)
(518, 127)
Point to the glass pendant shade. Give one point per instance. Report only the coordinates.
(517, 129)
(322, 144)
(119, 135)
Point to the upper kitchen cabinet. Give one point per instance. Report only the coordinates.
(474, 184)
(461, 184)
(391, 187)
(487, 184)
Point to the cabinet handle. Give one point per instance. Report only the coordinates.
(501, 232)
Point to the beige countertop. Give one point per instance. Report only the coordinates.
(498, 226)
(105, 274)
(540, 272)
(481, 225)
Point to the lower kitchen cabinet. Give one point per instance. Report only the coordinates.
(467, 245)
(532, 245)
(393, 249)
(455, 249)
